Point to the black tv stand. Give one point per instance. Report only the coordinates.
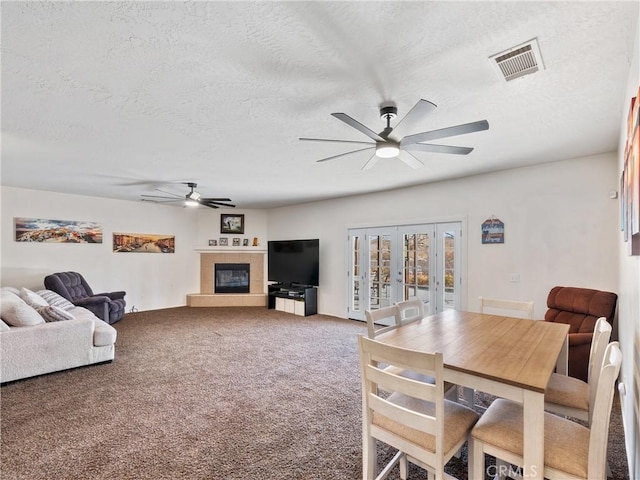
(294, 298)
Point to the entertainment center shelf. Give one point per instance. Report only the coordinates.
(297, 299)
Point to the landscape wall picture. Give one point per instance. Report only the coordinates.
(57, 231)
(143, 243)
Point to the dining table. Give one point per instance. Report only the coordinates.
(506, 357)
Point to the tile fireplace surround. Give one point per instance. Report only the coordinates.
(207, 298)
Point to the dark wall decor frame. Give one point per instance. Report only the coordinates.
(231, 223)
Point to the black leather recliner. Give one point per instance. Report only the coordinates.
(109, 307)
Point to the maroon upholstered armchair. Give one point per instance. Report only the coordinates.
(580, 308)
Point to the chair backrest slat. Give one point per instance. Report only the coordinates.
(410, 310)
(388, 314)
(599, 342)
(599, 426)
(510, 308)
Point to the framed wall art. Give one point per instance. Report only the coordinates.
(143, 243)
(224, 241)
(231, 223)
(492, 231)
(42, 230)
(630, 181)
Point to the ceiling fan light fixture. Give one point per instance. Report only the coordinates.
(387, 151)
(189, 202)
(193, 196)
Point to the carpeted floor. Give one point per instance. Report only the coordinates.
(206, 393)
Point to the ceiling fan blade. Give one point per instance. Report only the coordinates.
(336, 141)
(358, 126)
(159, 201)
(215, 199)
(430, 147)
(445, 132)
(419, 110)
(343, 154)
(169, 193)
(210, 204)
(160, 196)
(371, 162)
(410, 159)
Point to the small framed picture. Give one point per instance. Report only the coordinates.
(236, 242)
(230, 223)
(245, 242)
(213, 243)
(224, 241)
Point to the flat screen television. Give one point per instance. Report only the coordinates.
(294, 262)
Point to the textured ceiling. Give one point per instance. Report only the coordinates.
(115, 99)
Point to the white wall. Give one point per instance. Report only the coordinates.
(629, 301)
(151, 281)
(561, 228)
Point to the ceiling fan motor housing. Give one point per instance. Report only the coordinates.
(388, 111)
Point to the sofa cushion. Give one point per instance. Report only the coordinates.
(56, 300)
(104, 334)
(15, 312)
(3, 327)
(32, 298)
(54, 314)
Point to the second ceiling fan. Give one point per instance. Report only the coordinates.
(390, 143)
(191, 199)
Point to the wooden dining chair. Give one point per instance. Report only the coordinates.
(408, 415)
(571, 451)
(388, 317)
(410, 310)
(572, 397)
(392, 314)
(509, 308)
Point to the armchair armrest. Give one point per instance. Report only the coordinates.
(113, 295)
(98, 305)
(90, 301)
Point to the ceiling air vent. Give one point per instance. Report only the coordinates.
(518, 61)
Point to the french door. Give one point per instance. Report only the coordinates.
(392, 264)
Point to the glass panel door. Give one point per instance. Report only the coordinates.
(392, 264)
(356, 274)
(415, 272)
(448, 276)
(381, 289)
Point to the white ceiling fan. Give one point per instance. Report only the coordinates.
(389, 143)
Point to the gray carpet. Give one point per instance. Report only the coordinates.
(205, 393)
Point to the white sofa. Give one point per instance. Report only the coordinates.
(69, 337)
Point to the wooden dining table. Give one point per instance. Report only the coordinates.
(507, 357)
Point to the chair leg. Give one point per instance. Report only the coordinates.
(404, 472)
(369, 458)
(468, 394)
(502, 468)
(476, 458)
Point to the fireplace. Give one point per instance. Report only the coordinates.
(231, 278)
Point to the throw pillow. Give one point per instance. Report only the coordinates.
(56, 300)
(54, 314)
(15, 312)
(32, 299)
